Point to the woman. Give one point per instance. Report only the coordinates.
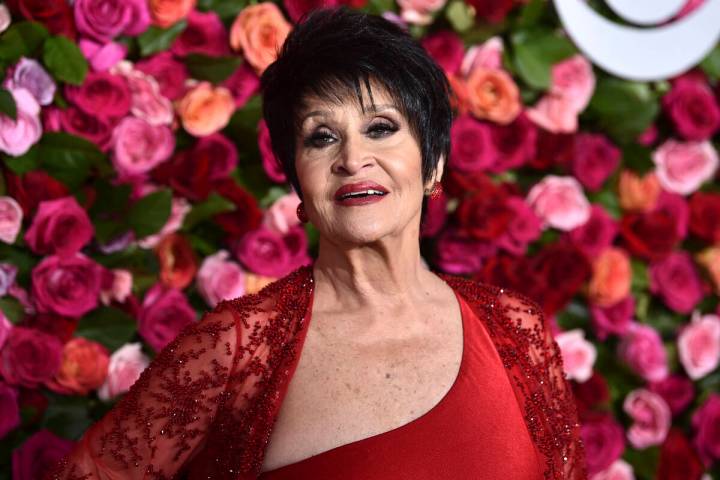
(403, 373)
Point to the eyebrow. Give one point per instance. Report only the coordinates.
(324, 113)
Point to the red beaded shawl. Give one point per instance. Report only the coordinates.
(207, 404)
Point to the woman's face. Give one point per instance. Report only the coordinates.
(338, 147)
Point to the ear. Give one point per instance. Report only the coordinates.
(438, 174)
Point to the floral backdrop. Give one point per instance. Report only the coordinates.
(138, 189)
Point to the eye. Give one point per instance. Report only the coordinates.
(381, 129)
(319, 139)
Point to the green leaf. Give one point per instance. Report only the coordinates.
(536, 51)
(67, 416)
(156, 39)
(213, 69)
(64, 60)
(67, 157)
(108, 326)
(12, 308)
(212, 206)
(7, 104)
(23, 163)
(22, 39)
(624, 109)
(149, 214)
(225, 9)
(531, 13)
(711, 64)
(460, 16)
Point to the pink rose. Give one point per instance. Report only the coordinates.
(67, 286)
(619, 470)
(604, 441)
(419, 12)
(595, 235)
(117, 287)
(573, 80)
(705, 422)
(126, 365)
(10, 417)
(169, 73)
(554, 114)
(446, 48)
(614, 319)
(642, 349)
(693, 109)
(179, 208)
(699, 345)
(147, 101)
(5, 18)
(269, 253)
(220, 279)
(204, 33)
(651, 417)
(242, 84)
(104, 20)
(578, 355)
(681, 167)
(29, 74)
(165, 312)
(471, 146)
(102, 57)
(676, 280)
(458, 253)
(594, 159)
(140, 147)
(40, 453)
(60, 226)
(559, 202)
(523, 228)
(5, 329)
(487, 55)
(282, 214)
(677, 390)
(30, 357)
(102, 94)
(271, 164)
(11, 216)
(17, 136)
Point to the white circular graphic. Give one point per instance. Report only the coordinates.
(646, 12)
(638, 53)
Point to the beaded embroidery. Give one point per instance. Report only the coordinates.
(207, 404)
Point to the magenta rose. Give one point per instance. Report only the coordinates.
(604, 441)
(5, 325)
(89, 126)
(594, 159)
(102, 94)
(139, 147)
(30, 357)
(706, 424)
(271, 164)
(458, 253)
(472, 149)
(642, 349)
(682, 167)
(677, 208)
(10, 417)
(595, 235)
(435, 216)
(243, 84)
(68, 286)
(38, 455)
(60, 226)
(204, 33)
(17, 136)
(524, 227)
(514, 144)
(269, 253)
(168, 71)
(297, 8)
(676, 280)
(446, 48)
(559, 202)
(126, 365)
(165, 312)
(699, 345)
(29, 74)
(102, 57)
(104, 20)
(693, 109)
(651, 416)
(614, 319)
(677, 390)
(220, 279)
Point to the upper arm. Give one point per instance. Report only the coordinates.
(157, 426)
(555, 404)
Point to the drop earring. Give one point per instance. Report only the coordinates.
(302, 216)
(436, 191)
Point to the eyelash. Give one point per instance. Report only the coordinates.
(318, 140)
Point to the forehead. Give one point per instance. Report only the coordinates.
(346, 101)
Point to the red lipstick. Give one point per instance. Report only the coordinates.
(360, 193)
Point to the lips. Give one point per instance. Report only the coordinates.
(360, 190)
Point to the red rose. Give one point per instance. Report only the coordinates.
(505, 271)
(651, 236)
(705, 216)
(58, 326)
(56, 15)
(31, 188)
(552, 149)
(591, 393)
(678, 460)
(458, 253)
(514, 144)
(297, 8)
(102, 94)
(595, 235)
(558, 272)
(40, 453)
(457, 184)
(677, 390)
(94, 128)
(484, 215)
(60, 226)
(177, 261)
(594, 159)
(493, 11)
(692, 108)
(30, 357)
(446, 48)
(67, 286)
(247, 215)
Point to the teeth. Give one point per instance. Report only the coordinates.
(363, 193)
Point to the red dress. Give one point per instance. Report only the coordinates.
(207, 404)
(476, 431)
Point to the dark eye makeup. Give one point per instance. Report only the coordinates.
(323, 137)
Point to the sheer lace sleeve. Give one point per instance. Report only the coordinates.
(162, 422)
(550, 407)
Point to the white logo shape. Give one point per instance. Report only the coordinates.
(642, 53)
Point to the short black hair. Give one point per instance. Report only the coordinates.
(327, 54)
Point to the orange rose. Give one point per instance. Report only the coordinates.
(638, 194)
(710, 260)
(167, 12)
(259, 31)
(84, 367)
(493, 95)
(254, 282)
(178, 264)
(205, 109)
(611, 277)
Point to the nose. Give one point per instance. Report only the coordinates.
(353, 156)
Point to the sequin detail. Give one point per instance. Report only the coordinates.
(206, 406)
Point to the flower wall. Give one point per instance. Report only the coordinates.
(138, 189)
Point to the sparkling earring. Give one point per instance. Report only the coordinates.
(436, 191)
(302, 216)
